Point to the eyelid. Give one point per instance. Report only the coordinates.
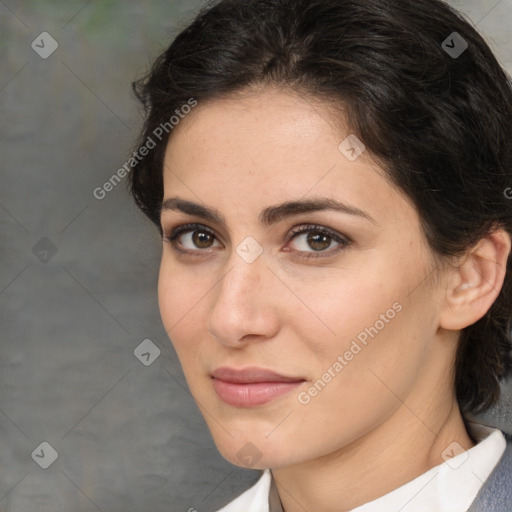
(180, 229)
(305, 227)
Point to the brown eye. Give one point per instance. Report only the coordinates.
(202, 239)
(310, 240)
(318, 241)
(191, 238)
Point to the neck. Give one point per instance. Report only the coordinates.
(400, 449)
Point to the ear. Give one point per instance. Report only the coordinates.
(476, 282)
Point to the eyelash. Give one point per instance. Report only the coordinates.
(186, 228)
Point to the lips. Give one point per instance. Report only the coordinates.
(251, 386)
(251, 375)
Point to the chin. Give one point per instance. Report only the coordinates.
(250, 460)
(254, 454)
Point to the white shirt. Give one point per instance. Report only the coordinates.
(449, 487)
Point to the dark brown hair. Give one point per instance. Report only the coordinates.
(440, 123)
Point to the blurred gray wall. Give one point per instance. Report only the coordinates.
(78, 275)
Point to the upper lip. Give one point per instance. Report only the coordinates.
(251, 375)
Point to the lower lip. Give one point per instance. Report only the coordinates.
(253, 394)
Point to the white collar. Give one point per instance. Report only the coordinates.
(451, 486)
(434, 490)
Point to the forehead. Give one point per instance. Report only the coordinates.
(255, 117)
(260, 148)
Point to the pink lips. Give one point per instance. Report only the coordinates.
(251, 386)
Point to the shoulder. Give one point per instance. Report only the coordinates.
(254, 499)
(496, 492)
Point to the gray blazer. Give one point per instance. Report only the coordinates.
(496, 493)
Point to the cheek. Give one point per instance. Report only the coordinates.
(380, 349)
(168, 286)
(338, 309)
(179, 298)
(359, 321)
(179, 301)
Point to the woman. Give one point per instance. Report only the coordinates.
(330, 180)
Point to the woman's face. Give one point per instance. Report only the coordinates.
(343, 309)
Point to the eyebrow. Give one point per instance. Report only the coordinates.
(269, 215)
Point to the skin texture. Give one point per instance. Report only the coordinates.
(388, 415)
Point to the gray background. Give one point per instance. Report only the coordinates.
(129, 437)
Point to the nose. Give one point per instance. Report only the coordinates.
(245, 304)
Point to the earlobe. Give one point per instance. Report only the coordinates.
(476, 282)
